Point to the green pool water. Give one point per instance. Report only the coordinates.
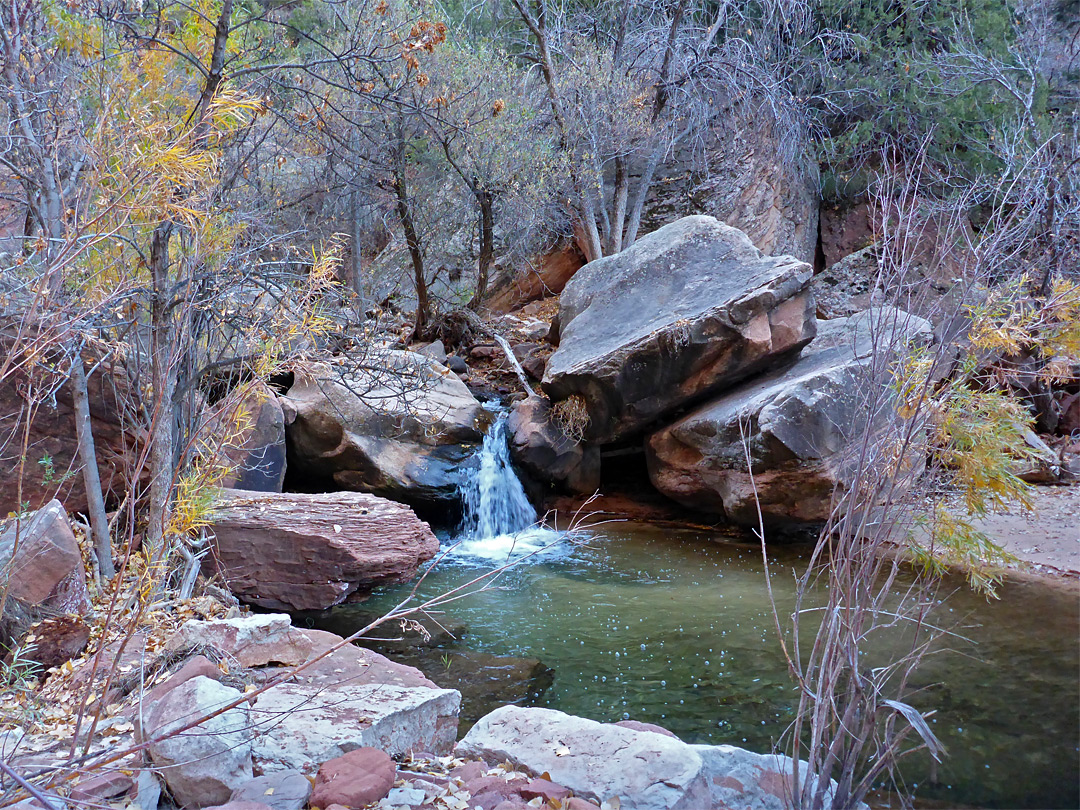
(674, 627)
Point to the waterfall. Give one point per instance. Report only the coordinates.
(494, 499)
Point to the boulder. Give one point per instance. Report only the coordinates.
(354, 780)
(246, 432)
(309, 552)
(284, 790)
(53, 469)
(205, 764)
(252, 641)
(40, 562)
(195, 667)
(801, 422)
(643, 769)
(687, 310)
(741, 778)
(399, 425)
(54, 641)
(849, 286)
(350, 699)
(596, 761)
(540, 447)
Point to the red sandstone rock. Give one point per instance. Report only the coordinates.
(309, 552)
(354, 780)
(102, 787)
(41, 561)
(56, 641)
(545, 790)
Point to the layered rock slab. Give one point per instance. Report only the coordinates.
(309, 552)
(595, 760)
(351, 698)
(686, 310)
(798, 425)
(399, 425)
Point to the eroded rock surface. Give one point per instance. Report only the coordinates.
(40, 562)
(541, 447)
(596, 761)
(800, 423)
(686, 310)
(205, 764)
(402, 426)
(309, 552)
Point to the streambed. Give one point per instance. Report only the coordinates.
(671, 627)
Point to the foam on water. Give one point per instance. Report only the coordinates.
(499, 524)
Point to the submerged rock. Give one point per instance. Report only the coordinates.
(309, 552)
(800, 424)
(684, 311)
(400, 425)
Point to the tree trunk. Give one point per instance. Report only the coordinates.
(485, 200)
(412, 240)
(163, 382)
(618, 205)
(95, 499)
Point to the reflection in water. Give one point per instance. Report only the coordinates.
(667, 627)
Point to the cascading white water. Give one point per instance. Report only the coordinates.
(494, 499)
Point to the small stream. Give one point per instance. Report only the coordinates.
(674, 627)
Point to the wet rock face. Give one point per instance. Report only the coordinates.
(686, 310)
(308, 552)
(541, 448)
(801, 423)
(402, 426)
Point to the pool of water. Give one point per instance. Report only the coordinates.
(672, 627)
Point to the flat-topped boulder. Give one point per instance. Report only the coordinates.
(801, 424)
(400, 425)
(683, 312)
(296, 551)
(643, 769)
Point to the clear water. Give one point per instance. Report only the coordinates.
(671, 627)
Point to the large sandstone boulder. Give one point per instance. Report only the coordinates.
(205, 764)
(350, 699)
(40, 562)
(252, 641)
(801, 423)
(644, 769)
(685, 311)
(246, 432)
(400, 425)
(595, 760)
(309, 552)
(540, 447)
